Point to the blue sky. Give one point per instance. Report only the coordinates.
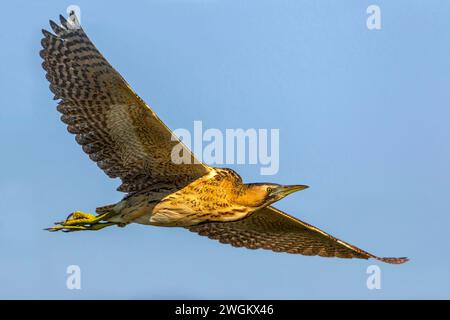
(363, 118)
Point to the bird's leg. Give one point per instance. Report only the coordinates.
(77, 218)
(78, 221)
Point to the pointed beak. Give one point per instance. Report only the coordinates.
(283, 191)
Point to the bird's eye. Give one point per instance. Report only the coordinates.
(269, 190)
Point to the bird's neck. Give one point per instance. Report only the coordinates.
(250, 196)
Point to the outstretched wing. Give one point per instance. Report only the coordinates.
(112, 123)
(272, 229)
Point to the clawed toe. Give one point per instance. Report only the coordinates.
(65, 228)
(78, 221)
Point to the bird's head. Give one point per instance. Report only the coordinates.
(264, 194)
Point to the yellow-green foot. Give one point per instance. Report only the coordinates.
(79, 221)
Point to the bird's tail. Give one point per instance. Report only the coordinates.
(104, 209)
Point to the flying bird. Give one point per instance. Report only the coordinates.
(127, 140)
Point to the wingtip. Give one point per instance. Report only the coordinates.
(46, 33)
(63, 20)
(394, 260)
(55, 27)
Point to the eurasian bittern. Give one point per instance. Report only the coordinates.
(126, 139)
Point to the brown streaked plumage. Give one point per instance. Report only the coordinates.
(112, 123)
(127, 140)
(272, 229)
